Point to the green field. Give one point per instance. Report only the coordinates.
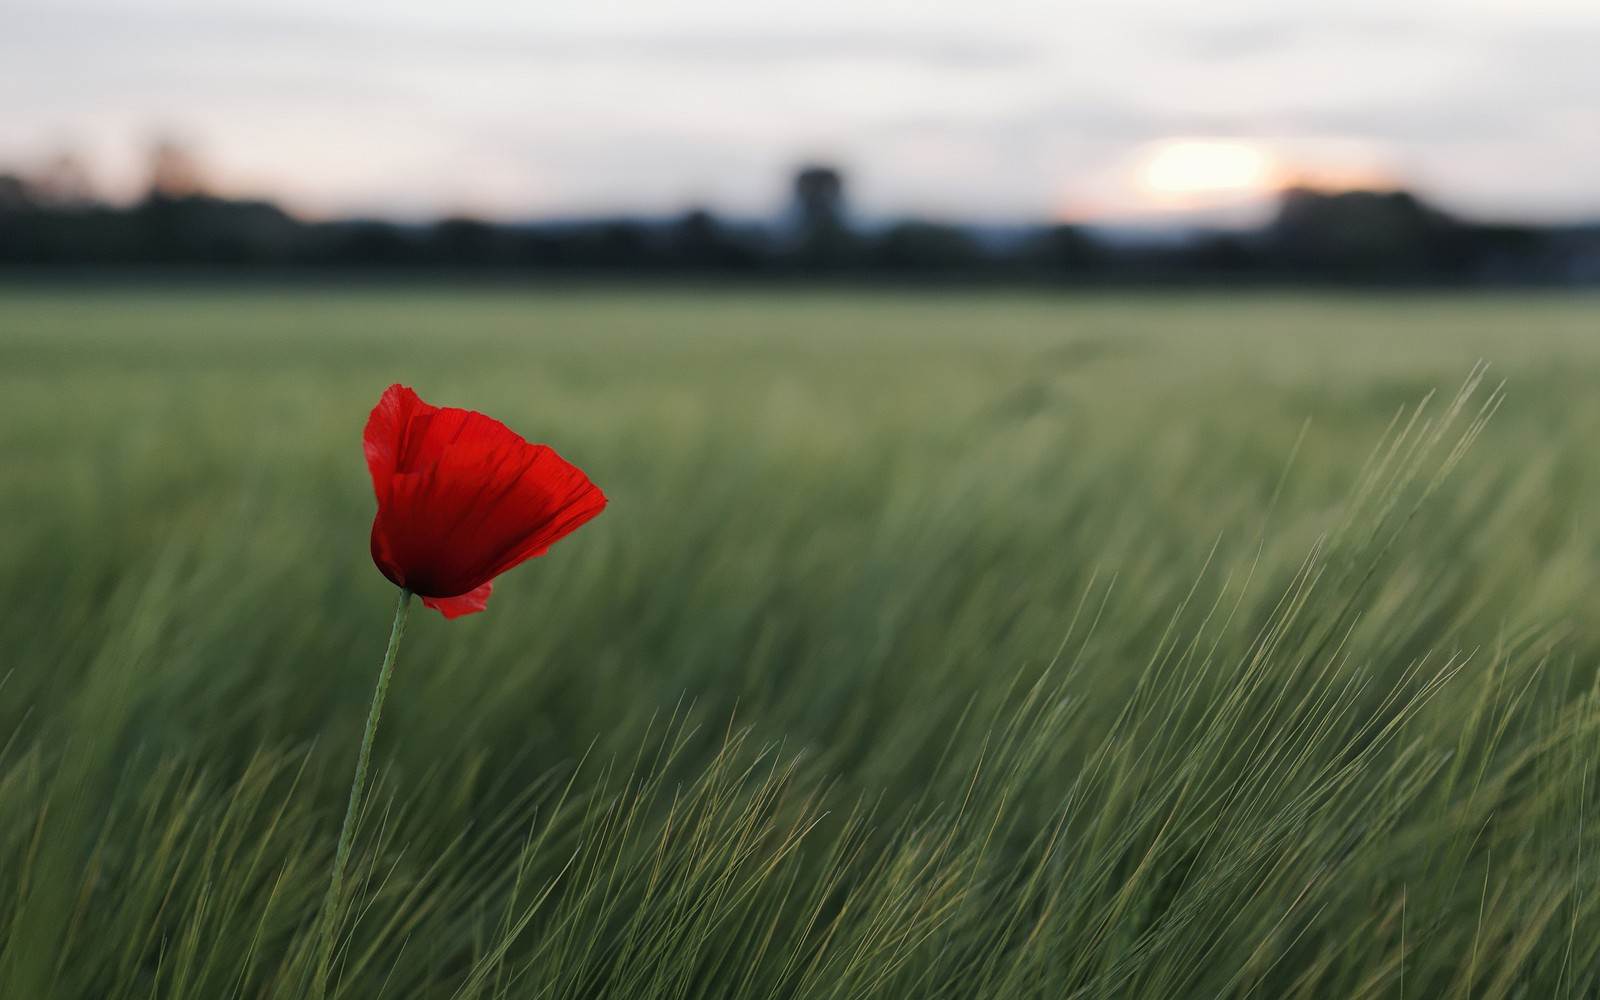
(933, 645)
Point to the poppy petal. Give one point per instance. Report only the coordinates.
(489, 501)
(462, 498)
(383, 558)
(386, 432)
(552, 497)
(465, 604)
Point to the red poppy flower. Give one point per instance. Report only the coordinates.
(462, 498)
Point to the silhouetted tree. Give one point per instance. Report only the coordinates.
(1213, 255)
(620, 245)
(1064, 251)
(1368, 235)
(174, 172)
(63, 184)
(202, 230)
(365, 244)
(16, 195)
(926, 246)
(470, 243)
(697, 241)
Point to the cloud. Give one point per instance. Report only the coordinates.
(948, 52)
(1223, 42)
(1523, 76)
(1088, 120)
(67, 31)
(986, 105)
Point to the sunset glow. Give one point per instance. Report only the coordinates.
(1189, 168)
(996, 113)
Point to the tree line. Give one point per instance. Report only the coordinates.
(1359, 237)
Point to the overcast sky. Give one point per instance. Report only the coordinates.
(995, 110)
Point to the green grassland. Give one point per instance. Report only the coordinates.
(933, 645)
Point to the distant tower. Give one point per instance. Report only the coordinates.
(822, 236)
(819, 199)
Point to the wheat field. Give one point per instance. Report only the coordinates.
(933, 644)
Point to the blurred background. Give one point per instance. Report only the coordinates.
(1442, 141)
(1032, 563)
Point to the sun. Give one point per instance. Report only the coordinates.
(1194, 169)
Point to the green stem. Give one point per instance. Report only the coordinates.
(331, 906)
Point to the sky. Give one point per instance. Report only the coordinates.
(995, 111)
